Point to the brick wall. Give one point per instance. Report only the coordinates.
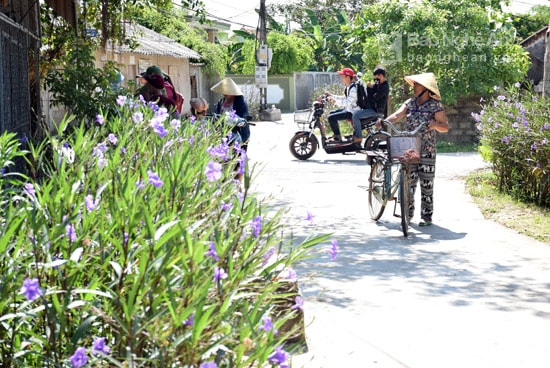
(462, 127)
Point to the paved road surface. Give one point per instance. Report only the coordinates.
(464, 293)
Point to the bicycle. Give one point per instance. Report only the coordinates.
(390, 168)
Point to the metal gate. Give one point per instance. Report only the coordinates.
(17, 46)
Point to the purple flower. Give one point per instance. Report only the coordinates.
(190, 320)
(79, 358)
(309, 217)
(100, 347)
(208, 365)
(268, 325)
(221, 150)
(242, 163)
(175, 124)
(219, 274)
(333, 250)
(267, 255)
(70, 232)
(121, 100)
(31, 289)
(290, 274)
(140, 185)
(299, 303)
(158, 128)
(213, 171)
(90, 203)
(279, 357)
(256, 226)
(517, 84)
(112, 139)
(161, 114)
(212, 252)
(29, 189)
(225, 206)
(137, 117)
(154, 179)
(99, 119)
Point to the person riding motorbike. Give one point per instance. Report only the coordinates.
(346, 102)
(377, 95)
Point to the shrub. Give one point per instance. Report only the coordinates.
(515, 135)
(136, 247)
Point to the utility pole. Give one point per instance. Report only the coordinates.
(262, 59)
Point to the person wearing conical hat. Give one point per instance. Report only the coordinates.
(232, 102)
(425, 106)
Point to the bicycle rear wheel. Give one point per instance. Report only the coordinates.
(377, 197)
(404, 200)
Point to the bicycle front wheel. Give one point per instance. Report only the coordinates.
(404, 191)
(377, 197)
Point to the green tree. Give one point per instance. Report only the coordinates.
(290, 54)
(172, 24)
(535, 19)
(469, 45)
(67, 59)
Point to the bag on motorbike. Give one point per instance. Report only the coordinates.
(362, 97)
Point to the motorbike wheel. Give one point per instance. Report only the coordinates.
(303, 146)
(376, 142)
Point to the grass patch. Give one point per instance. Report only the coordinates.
(525, 218)
(446, 147)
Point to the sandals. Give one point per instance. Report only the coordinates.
(424, 223)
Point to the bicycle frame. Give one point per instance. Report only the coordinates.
(389, 175)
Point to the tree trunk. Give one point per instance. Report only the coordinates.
(546, 76)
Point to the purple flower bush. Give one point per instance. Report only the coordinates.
(149, 251)
(514, 133)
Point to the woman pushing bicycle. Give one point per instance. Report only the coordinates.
(425, 106)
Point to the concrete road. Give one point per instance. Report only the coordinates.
(464, 292)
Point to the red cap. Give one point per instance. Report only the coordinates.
(347, 71)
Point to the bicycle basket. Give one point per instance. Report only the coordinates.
(302, 117)
(405, 148)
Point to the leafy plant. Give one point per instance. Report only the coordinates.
(135, 247)
(469, 45)
(515, 136)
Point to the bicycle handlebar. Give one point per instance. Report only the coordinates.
(404, 132)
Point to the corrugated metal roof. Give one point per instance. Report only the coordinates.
(153, 43)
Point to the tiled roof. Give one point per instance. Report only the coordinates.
(153, 43)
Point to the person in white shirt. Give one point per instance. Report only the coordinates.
(347, 103)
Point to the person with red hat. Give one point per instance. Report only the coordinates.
(347, 103)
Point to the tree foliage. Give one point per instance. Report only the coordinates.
(68, 70)
(469, 45)
(173, 25)
(290, 54)
(535, 19)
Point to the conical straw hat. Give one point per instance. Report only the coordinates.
(227, 87)
(427, 80)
